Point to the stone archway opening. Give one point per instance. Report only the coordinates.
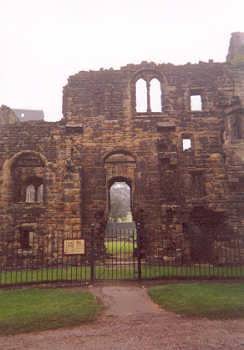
(120, 236)
(120, 201)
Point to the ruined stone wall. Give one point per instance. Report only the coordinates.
(45, 145)
(169, 183)
(102, 138)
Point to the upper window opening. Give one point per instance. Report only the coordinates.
(34, 191)
(141, 96)
(30, 194)
(155, 95)
(148, 93)
(196, 103)
(186, 144)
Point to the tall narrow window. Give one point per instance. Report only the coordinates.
(26, 238)
(141, 96)
(155, 95)
(30, 194)
(40, 193)
(196, 103)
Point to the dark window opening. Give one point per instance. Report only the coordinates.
(26, 238)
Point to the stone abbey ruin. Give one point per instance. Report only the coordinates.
(179, 146)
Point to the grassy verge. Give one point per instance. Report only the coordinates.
(40, 309)
(211, 300)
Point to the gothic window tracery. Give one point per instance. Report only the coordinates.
(148, 94)
(28, 173)
(34, 190)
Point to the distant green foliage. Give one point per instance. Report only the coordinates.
(40, 309)
(211, 300)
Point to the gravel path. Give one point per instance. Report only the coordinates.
(132, 321)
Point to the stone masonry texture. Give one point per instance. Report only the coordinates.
(189, 198)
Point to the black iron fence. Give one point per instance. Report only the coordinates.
(118, 254)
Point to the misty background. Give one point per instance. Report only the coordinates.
(43, 42)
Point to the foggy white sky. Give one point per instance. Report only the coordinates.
(42, 42)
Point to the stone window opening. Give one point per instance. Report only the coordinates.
(196, 101)
(155, 96)
(141, 96)
(26, 238)
(30, 194)
(148, 96)
(186, 144)
(34, 192)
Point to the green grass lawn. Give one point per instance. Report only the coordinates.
(27, 310)
(119, 248)
(211, 300)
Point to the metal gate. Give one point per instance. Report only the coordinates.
(116, 256)
(121, 253)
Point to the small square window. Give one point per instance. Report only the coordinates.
(196, 103)
(186, 144)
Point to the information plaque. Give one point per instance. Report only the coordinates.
(74, 246)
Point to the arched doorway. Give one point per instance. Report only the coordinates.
(120, 200)
(120, 170)
(120, 235)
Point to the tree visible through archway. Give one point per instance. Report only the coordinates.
(120, 202)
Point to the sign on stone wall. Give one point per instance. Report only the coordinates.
(74, 246)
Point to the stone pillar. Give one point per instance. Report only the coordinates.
(72, 202)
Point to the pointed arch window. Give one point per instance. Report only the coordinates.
(148, 93)
(141, 96)
(155, 96)
(30, 194)
(34, 191)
